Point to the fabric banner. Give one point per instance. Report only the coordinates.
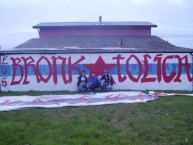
(162, 94)
(9, 103)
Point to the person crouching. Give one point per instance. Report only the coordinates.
(82, 82)
(93, 83)
(107, 81)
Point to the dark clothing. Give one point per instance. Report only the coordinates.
(82, 79)
(107, 82)
(107, 79)
(82, 83)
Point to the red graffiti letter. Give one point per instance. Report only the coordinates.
(63, 72)
(177, 79)
(26, 65)
(70, 68)
(146, 70)
(187, 67)
(120, 78)
(167, 78)
(15, 65)
(4, 82)
(4, 59)
(38, 72)
(158, 58)
(4, 70)
(55, 73)
(139, 65)
(74, 65)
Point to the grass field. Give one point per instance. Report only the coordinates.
(166, 121)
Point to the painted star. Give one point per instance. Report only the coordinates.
(99, 66)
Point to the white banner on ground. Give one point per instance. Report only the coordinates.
(50, 101)
(162, 94)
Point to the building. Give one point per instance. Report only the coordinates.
(83, 35)
(136, 59)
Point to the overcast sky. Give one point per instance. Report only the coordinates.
(173, 17)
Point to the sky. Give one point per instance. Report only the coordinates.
(174, 18)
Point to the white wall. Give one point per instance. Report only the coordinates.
(155, 71)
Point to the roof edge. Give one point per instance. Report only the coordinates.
(96, 24)
(75, 50)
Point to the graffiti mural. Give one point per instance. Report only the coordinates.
(130, 71)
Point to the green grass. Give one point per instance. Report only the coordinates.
(166, 121)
